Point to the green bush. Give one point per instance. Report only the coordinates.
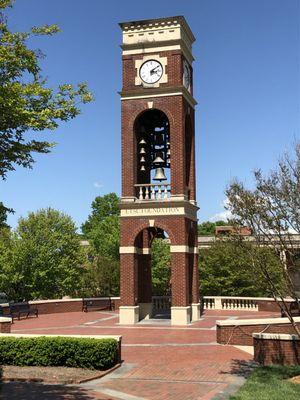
(59, 351)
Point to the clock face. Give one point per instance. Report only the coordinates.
(151, 71)
(186, 75)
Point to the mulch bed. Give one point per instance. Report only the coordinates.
(59, 375)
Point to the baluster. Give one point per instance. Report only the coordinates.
(159, 193)
(152, 189)
(141, 193)
(165, 191)
(146, 192)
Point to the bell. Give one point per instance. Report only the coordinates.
(143, 159)
(158, 160)
(142, 141)
(142, 168)
(159, 175)
(142, 151)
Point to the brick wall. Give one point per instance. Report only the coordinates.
(174, 69)
(268, 351)
(61, 306)
(268, 305)
(5, 327)
(242, 334)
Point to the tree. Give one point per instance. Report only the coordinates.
(27, 104)
(3, 215)
(102, 229)
(102, 208)
(224, 270)
(161, 267)
(101, 277)
(272, 211)
(43, 258)
(208, 228)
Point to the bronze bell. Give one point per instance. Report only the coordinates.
(159, 175)
(158, 160)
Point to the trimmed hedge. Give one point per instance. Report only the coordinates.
(59, 351)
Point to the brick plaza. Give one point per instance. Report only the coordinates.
(160, 361)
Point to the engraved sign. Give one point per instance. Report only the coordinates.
(150, 212)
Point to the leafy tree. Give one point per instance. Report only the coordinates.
(208, 228)
(271, 210)
(102, 208)
(105, 237)
(27, 103)
(3, 215)
(43, 259)
(7, 273)
(161, 267)
(102, 229)
(101, 278)
(226, 270)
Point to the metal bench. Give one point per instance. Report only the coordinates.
(97, 304)
(17, 310)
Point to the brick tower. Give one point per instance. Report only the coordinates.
(158, 166)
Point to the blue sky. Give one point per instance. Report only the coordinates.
(247, 84)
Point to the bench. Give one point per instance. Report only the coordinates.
(17, 310)
(97, 304)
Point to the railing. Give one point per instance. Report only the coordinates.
(161, 303)
(230, 303)
(152, 191)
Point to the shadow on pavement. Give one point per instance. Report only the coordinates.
(241, 368)
(39, 391)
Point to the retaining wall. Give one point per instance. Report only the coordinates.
(276, 349)
(239, 332)
(5, 325)
(62, 305)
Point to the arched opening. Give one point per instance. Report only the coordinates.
(153, 273)
(153, 154)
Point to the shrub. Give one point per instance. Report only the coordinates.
(59, 351)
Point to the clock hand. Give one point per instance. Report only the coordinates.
(153, 70)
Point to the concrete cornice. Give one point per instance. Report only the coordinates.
(131, 26)
(146, 93)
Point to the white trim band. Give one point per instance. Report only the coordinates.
(134, 250)
(265, 321)
(275, 336)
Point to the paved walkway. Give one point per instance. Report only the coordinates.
(161, 362)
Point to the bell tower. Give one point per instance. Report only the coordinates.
(158, 166)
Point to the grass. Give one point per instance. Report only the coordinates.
(270, 383)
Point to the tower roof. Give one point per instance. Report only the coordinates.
(158, 23)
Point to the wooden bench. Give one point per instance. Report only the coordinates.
(97, 304)
(17, 310)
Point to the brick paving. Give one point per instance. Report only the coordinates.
(161, 362)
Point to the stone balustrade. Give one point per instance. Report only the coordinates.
(230, 303)
(161, 303)
(148, 192)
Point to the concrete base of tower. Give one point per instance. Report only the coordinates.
(145, 310)
(128, 315)
(195, 312)
(180, 315)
